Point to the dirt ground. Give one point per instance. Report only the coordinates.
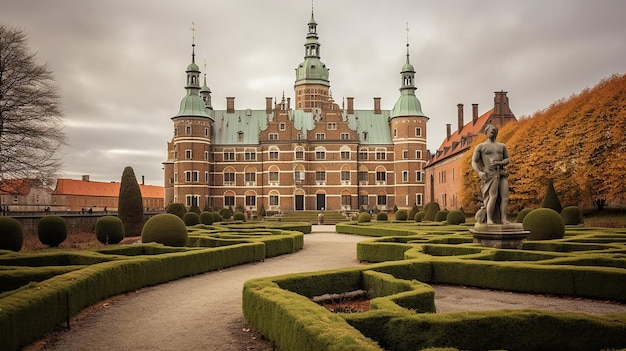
(203, 312)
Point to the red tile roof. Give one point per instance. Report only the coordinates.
(16, 186)
(103, 189)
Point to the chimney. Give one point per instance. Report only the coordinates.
(143, 180)
(288, 103)
(474, 113)
(448, 133)
(85, 178)
(377, 105)
(230, 105)
(350, 105)
(459, 108)
(268, 105)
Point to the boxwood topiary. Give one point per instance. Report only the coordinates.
(177, 209)
(455, 217)
(206, 217)
(216, 216)
(572, 215)
(11, 234)
(225, 213)
(401, 215)
(544, 224)
(431, 210)
(382, 216)
(110, 230)
(413, 212)
(191, 218)
(441, 216)
(52, 230)
(522, 214)
(419, 216)
(239, 216)
(364, 217)
(165, 228)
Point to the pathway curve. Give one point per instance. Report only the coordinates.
(204, 312)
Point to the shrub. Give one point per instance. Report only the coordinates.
(191, 218)
(165, 228)
(216, 216)
(544, 224)
(382, 216)
(176, 209)
(441, 216)
(52, 230)
(239, 216)
(419, 216)
(225, 214)
(364, 217)
(11, 234)
(431, 210)
(110, 230)
(130, 203)
(206, 217)
(195, 209)
(551, 199)
(572, 215)
(413, 212)
(395, 208)
(522, 214)
(401, 215)
(455, 217)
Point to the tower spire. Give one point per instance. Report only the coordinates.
(193, 42)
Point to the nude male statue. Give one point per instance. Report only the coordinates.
(489, 160)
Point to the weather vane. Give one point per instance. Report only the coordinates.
(193, 32)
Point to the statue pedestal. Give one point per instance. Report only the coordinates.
(501, 236)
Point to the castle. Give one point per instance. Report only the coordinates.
(312, 155)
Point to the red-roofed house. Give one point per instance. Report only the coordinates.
(77, 195)
(444, 180)
(24, 195)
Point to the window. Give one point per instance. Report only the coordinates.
(206, 155)
(344, 136)
(419, 199)
(381, 155)
(320, 176)
(418, 154)
(363, 176)
(281, 126)
(273, 176)
(191, 200)
(175, 131)
(273, 200)
(331, 126)
(273, 136)
(381, 176)
(188, 130)
(405, 176)
(250, 200)
(175, 177)
(345, 200)
(206, 177)
(229, 156)
(239, 136)
(229, 200)
(363, 154)
(176, 155)
(381, 200)
(345, 176)
(320, 136)
(320, 155)
(395, 132)
(229, 178)
(188, 154)
(16, 199)
(345, 154)
(299, 136)
(405, 154)
(206, 132)
(196, 176)
(250, 177)
(363, 201)
(364, 135)
(418, 131)
(250, 155)
(188, 177)
(274, 154)
(299, 154)
(298, 176)
(418, 176)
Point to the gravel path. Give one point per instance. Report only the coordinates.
(204, 312)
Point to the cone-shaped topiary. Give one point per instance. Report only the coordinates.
(455, 217)
(177, 209)
(419, 216)
(551, 200)
(522, 214)
(11, 234)
(261, 211)
(441, 216)
(364, 217)
(413, 212)
(395, 208)
(191, 218)
(382, 216)
(206, 217)
(109, 230)
(544, 224)
(165, 228)
(130, 203)
(239, 216)
(52, 230)
(401, 215)
(431, 210)
(572, 215)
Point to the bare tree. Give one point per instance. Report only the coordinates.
(31, 130)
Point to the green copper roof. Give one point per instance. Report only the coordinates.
(407, 105)
(240, 127)
(312, 70)
(192, 106)
(373, 128)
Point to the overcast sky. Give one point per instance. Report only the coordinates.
(121, 64)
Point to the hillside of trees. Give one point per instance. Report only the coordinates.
(578, 142)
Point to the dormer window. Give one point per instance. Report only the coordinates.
(239, 136)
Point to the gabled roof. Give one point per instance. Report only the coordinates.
(103, 189)
(460, 141)
(16, 186)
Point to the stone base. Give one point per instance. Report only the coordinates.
(501, 236)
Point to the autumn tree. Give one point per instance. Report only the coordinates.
(30, 112)
(130, 203)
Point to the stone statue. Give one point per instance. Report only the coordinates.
(489, 160)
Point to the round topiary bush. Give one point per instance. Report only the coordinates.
(522, 214)
(206, 217)
(110, 230)
(572, 215)
(191, 218)
(225, 214)
(194, 208)
(216, 216)
(382, 216)
(239, 216)
(441, 216)
(419, 216)
(52, 230)
(177, 209)
(544, 224)
(364, 217)
(401, 215)
(11, 234)
(455, 217)
(165, 228)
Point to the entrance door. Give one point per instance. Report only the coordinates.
(299, 202)
(321, 201)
